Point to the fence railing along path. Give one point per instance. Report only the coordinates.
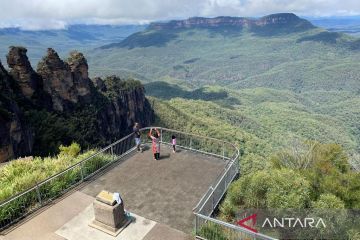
(22, 204)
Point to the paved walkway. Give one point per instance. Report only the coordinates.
(163, 192)
(44, 225)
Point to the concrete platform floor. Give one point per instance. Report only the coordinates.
(44, 225)
(163, 191)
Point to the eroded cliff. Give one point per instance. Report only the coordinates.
(59, 103)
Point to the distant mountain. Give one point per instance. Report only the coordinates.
(288, 20)
(279, 51)
(349, 25)
(159, 33)
(79, 37)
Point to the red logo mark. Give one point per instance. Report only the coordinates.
(242, 223)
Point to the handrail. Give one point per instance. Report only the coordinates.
(63, 171)
(236, 228)
(2, 203)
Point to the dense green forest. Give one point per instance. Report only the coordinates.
(273, 117)
(300, 61)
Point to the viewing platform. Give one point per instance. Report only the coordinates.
(161, 195)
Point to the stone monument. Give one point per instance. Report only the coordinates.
(110, 216)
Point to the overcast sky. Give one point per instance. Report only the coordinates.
(57, 14)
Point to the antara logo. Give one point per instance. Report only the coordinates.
(287, 222)
(294, 222)
(241, 223)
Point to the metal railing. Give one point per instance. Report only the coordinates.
(22, 204)
(26, 202)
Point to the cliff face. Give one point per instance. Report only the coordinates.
(288, 19)
(16, 138)
(62, 90)
(125, 107)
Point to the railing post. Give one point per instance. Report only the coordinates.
(223, 150)
(81, 172)
(212, 201)
(112, 152)
(161, 135)
(196, 225)
(190, 143)
(38, 194)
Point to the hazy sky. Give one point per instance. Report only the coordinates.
(56, 14)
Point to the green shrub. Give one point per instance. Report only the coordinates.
(287, 189)
(71, 151)
(212, 231)
(228, 210)
(22, 174)
(328, 201)
(270, 189)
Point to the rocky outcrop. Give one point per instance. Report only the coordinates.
(79, 69)
(99, 84)
(127, 107)
(58, 81)
(22, 71)
(288, 19)
(68, 82)
(63, 90)
(16, 138)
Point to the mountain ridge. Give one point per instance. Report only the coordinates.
(159, 33)
(272, 19)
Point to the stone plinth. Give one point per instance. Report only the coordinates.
(109, 216)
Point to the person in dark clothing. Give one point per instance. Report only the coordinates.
(136, 130)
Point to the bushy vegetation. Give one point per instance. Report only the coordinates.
(22, 174)
(115, 86)
(308, 176)
(317, 175)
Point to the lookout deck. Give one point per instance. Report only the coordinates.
(160, 194)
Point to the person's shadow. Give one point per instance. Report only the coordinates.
(164, 156)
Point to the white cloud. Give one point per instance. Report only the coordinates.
(48, 14)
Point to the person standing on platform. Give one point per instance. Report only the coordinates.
(136, 130)
(155, 143)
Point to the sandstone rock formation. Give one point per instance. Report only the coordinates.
(22, 71)
(63, 89)
(16, 138)
(79, 69)
(126, 105)
(58, 80)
